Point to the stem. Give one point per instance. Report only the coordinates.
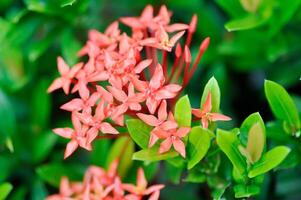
(112, 136)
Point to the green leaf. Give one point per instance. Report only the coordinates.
(7, 116)
(269, 161)
(245, 191)
(247, 125)
(248, 22)
(198, 145)
(139, 132)
(67, 2)
(122, 149)
(183, 111)
(5, 189)
(43, 145)
(52, 173)
(212, 86)
(282, 104)
(152, 154)
(228, 142)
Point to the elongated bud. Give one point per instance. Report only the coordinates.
(178, 50)
(193, 23)
(187, 55)
(204, 44)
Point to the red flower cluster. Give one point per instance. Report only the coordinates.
(123, 76)
(99, 184)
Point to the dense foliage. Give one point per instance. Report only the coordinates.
(250, 70)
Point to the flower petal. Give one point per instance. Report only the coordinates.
(71, 147)
(165, 145)
(149, 119)
(56, 84)
(179, 147)
(63, 132)
(105, 127)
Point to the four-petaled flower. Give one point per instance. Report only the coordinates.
(66, 76)
(173, 138)
(205, 115)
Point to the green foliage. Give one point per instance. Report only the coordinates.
(198, 145)
(263, 42)
(228, 142)
(5, 189)
(269, 161)
(183, 112)
(139, 132)
(151, 155)
(282, 105)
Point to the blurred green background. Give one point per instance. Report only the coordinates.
(247, 46)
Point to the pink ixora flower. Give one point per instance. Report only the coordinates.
(106, 185)
(140, 189)
(205, 115)
(174, 138)
(77, 136)
(155, 91)
(163, 122)
(162, 40)
(66, 76)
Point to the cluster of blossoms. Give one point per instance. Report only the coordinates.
(99, 184)
(123, 76)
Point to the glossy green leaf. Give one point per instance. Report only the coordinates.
(228, 142)
(212, 86)
(183, 111)
(139, 132)
(282, 104)
(5, 189)
(122, 149)
(247, 125)
(198, 145)
(269, 161)
(7, 116)
(152, 154)
(248, 22)
(52, 173)
(245, 191)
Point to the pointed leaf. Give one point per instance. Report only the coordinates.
(52, 173)
(282, 104)
(183, 111)
(213, 87)
(198, 145)
(269, 161)
(247, 22)
(139, 132)
(245, 191)
(152, 154)
(247, 125)
(5, 189)
(228, 142)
